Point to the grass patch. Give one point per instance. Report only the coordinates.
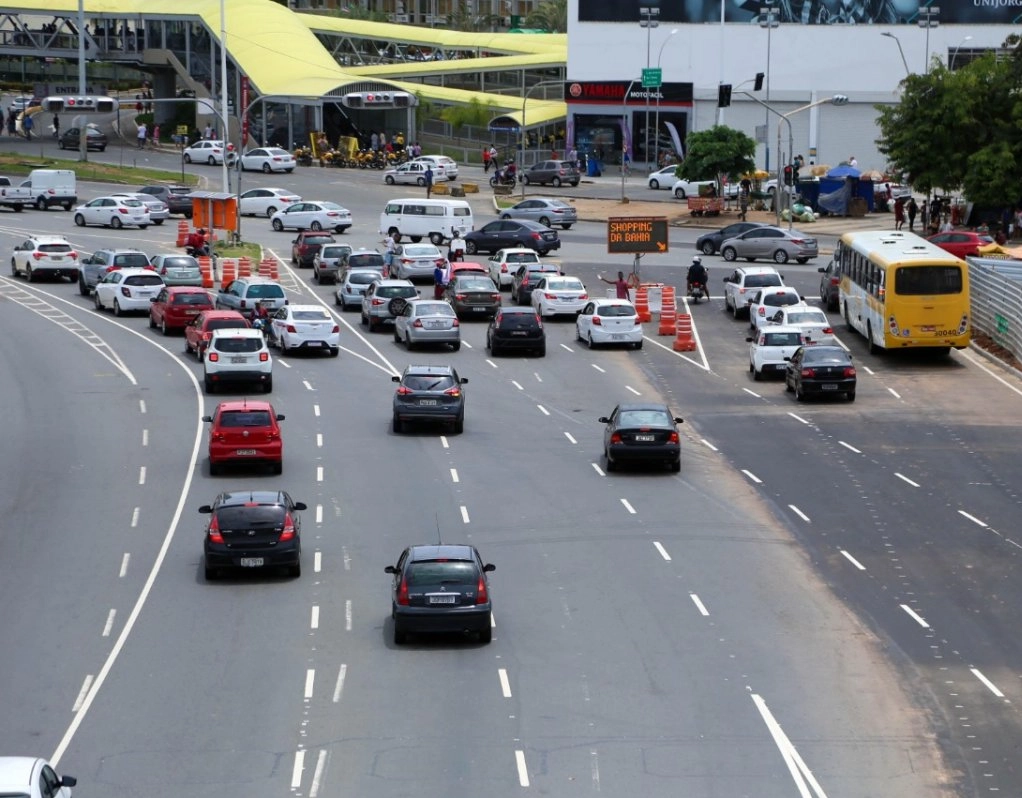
(506, 202)
(12, 164)
(243, 250)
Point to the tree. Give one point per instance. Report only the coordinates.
(354, 10)
(549, 15)
(474, 114)
(719, 151)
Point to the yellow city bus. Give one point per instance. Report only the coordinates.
(900, 291)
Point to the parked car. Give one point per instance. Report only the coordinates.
(641, 432)
(820, 370)
(546, 211)
(252, 528)
(516, 329)
(692, 188)
(609, 321)
(71, 139)
(770, 348)
(961, 243)
(556, 173)
(428, 321)
(176, 198)
(245, 431)
(267, 159)
(177, 269)
(313, 216)
(709, 243)
(429, 393)
(830, 285)
(208, 151)
(265, 201)
(442, 165)
(663, 178)
(115, 212)
(127, 290)
(305, 247)
(508, 233)
(237, 356)
(773, 243)
(410, 172)
(177, 306)
(304, 327)
(473, 295)
(199, 331)
(44, 256)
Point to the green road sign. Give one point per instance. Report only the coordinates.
(652, 78)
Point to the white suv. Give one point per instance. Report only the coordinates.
(45, 256)
(767, 301)
(770, 349)
(743, 283)
(505, 263)
(237, 355)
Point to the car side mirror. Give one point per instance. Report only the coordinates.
(726, 280)
(152, 299)
(280, 416)
(464, 380)
(390, 569)
(603, 420)
(68, 781)
(787, 359)
(822, 269)
(301, 506)
(207, 418)
(679, 420)
(489, 567)
(395, 379)
(205, 509)
(749, 340)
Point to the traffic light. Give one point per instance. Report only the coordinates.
(789, 175)
(724, 95)
(88, 104)
(759, 81)
(378, 99)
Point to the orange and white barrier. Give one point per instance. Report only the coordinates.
(268, 268)
(244, 267)
(228, 271)
(182, 232)
(668, 311)
(684, 340)
(642, 304)
(206, 267)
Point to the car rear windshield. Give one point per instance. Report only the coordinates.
(133, 260)
(825, 355)
(266, 291)
(565, 285)
(567, 165)
(431, 572)
(191, 299)
(521, 257)
(240, 344)
(918, 280)
(615, 310)
(143, 279)
(226, 324)
(180, 262)
(311, 315)
(317, 240)
(179, 190)
(433, 309)
(644, 418)
(363, 278)
(762, 280)
(780, 300)
(55, 248)
(334, 252)
(367, 261)
(250, 517)
(245, 418)
(390, 291)
(421, 251)
(475, 284)
(428, 382)
(782, 339)
(807, 318)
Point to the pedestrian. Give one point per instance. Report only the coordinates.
(390, 246)
(486, 160)
(573, 156)
(852, 162)
(620, 284)
(899, 213)
(744, 194)
(207, 132)
(156, 135)
(26, 125)
(456, 251)
(141, 135)
(493, 157)
(429, 180)
(138, 103)
(383, 139)
(56, 126)
(912, 209)
(374, 141)
(12, 123)
(626, 163)
(438, 281)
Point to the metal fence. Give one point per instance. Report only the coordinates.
(996, 287)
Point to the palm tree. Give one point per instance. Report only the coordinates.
(549, 15)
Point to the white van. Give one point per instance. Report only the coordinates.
(420, 218)
(52, 187)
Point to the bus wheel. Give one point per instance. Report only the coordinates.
(848, 319)
(873, 348)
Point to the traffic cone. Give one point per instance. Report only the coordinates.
(182, 232)
(229, 271)
(668, 311)
(642, 304)
(265, 267)
(684, 341)
(207, 272)
(244, 267)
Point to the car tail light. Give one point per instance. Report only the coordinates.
(332, 213)
(849, 371)
(482, 595)
(495, 297)
(835, 280)
(285, 199)
(539, 321)
(455, 391)
(550, 296)
(163, 270)
(213, 357)
(122, 210)
(503, 268)
(406, 260)
(38, 255)
(403, 390)
(336, 329)
(264, 356)
(291, 328)
(761, 310)
(125, 291)
(205, 336)
(537, 236)
(276, 157)
(150, 267)
(439, 262)
(402, 592)
(597, 321)
(557, 210)
(583, 295)
(615, 438)
(560, 172)
(460, 297)
(112, 268)
(417, 323)
(214, 531)
(455, 322)
(672, 438)
(288, 533)
(797, 240)
(828, 330)
(808, 372)
(73, 255)
(378, 302)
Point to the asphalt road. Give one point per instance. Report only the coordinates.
(823, 602)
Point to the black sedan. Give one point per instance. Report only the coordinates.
(516, 329)
(429, 393)
(527, 277)
(508, 233)
(709, 243)
(253, 530)
(473, 295)
(71, 138)
(441, 588)
(641, 432)
(820, 370)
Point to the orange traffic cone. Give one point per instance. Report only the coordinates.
(684, 341)
(642, 304)
(668, 311)
(244, 267)
(207, 272)
(182, 232)
(229, 271)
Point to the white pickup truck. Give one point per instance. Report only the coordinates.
(14, 197)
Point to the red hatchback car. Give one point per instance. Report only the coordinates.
(200, 330)
(245, 431)
(961, 242)
(176, 306)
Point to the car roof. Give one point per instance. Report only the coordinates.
(306, 307)
(237, 332)
(16, 773)
(758, 269)
(120, 251)
(222, 314)
(242, 497)
(777, 289)
(424, 369)
(45, 239)
(133, 270)
(442, 551)
(245, 404)
(389, 281)
(644, 406)
(608, 301)
(188, 289)
(256, 280)
(519, 309)
(516, 250)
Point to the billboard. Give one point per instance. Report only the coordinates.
(807, 12)
(612, 92)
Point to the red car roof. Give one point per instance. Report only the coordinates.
(245, 404)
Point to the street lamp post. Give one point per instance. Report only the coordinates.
(767, 19)
(223, 91)
(837, 99)
(525, 96)
(929, 17)
(954, 55)
(656, 124)
(650, 15)
(624, 136)
(897, 41)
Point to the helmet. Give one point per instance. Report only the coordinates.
(696, 260)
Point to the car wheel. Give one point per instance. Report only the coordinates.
(277, 469)
(408, 342)
(143, 226)
(800, 395)
(679, 193)
(209, 385)
(436, 239)
(729, 254)
(211, 573)
(541, 352)
(801, 260)
(269, 212)
(456, 346)
(277, 225)
(82, 288)
(565, 226)
(459, 425)
(873, 348)
(14, 268)
(211, 160)
(787, 384)
(389, 180)
(780, 256)
(676, 466)
(152, 322)
(706, 248)
(316, 227)
(116, 224)
(266, 169)
(188, 158)
(470, 247)
(421, 181)
(29, 275)
(525, 180)
(335, 352)
(399, 635)
(398, 424)
(214, 469)
(544, 220)
(556, 182)
(485, 635)
(611, 465)
(638, 344)
(494, 349)
(589, 341)
(654, 184)
(756, 375)
(850, 396)
(117, 308)
(41, 204)
(79, 220)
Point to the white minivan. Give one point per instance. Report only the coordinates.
(52, 187)
(419, 218)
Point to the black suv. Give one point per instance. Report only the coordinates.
(174, 197)
(95, 267)
(516, 328)
(429, 393)
(443, 588)
(253, 529)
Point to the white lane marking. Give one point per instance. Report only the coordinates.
(467, 345)
(444, 442)
(849, 447)
(628, 506)
(347, 615)
(602, 371)
(315, 410)
(568, 348)
(80, 700)
(134, 517)
(281, 362)
(543, 410)
(310, 681)
(752, 393)
(868, 370)
(699, 604)
(523, 772)
(570, 437)
(660, 548)
(894, 393)
(314, 618)
(972, 518)
(798, 418)
(596, 467)
(915, 616)
(680, 355)
(536, 375)
(709, 445)
(296, 771)
(491, 362)
(800, 773)
(317, 774)
(317, 562)
(319, 473)
(752, 476)
(109, 625)
(124, 565)
(464, 514)
(505, 685)
(319, 440)
(141, 406)
(852, 560)
(347, 558)
(308, 385)
(986, 682)
(339, 686)
(493, 620)
(517, 384)
(799, 513)
(630, 388)
(976, 362)
(145, 437)
(454, 475)
(903, 478)
(594, 766)
(319, 513)
(141, 475)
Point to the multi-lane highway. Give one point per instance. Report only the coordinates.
(822, 603)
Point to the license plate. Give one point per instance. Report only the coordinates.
(191, 313)
(449, 599)
(239, 359)
(829, 386)
(645, 438)
(479, 308)
(252, 562)
(617, 336)
(436, 325)
(245, 452)
(315, 343)
(427, 402)
(519, 332)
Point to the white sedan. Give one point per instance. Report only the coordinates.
(442, 165)
(32, 777)
(555, 294)
(609, 321)
(812, 322)
(209, 151)
(265, 201)
(663, 178)
(158, 210)
(268, 159)
(317, 216)
(307, 327)
(113, 212)
(127, 290)
(411, 172)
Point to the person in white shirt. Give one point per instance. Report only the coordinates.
(390, 245)
(456, 251)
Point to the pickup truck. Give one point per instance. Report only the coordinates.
(14, 197)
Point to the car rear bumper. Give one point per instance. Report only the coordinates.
(519, 341)
(481, 311)
(318, 344)
(634, 453)
(56, 271)
(222, 557)
(602, 336)
(263, 453)
(241, 375)
(821, 386)
(433, 619)
(444, 413)
(418, 336)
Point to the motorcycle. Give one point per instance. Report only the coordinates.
(697, 291)
(504, 178)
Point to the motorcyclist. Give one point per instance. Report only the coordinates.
(261, 317)
(697, 275)
(196, 244)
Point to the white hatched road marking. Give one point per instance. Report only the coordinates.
(518, 385)
(319, 513)
(543, 410)
(752, 476)
(663, 552)
(124, 565)
(505, 685)
(82, 693)
(987, 683)
(598, 470)
(799, 513)
(852, 560)
(109, 625)
(145, 437)
(339, 687)
(134, 517)
(347, 615)
(972, 518)
(699, 604)
(628, 506)
(314, 619)
(850, 447)
(454, 475)
(523, 771)
(903, 478)
(464, 514)
(310, 682)
(915, 616)
(570, 437)
(317, 562)
(296, 771)
(317, 775)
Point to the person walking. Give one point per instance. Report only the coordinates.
(56, 126)
(493, 158)
(456, 251)
(156, 135)
(912, 209)
(389, 249)
(486, 160)
(899, 213)
(26, 125)
(429, 181)
(438, 281)
(141, 135)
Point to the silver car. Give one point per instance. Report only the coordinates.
(416, 261)
(772, 243)
(176, 269)
(548, 212)
(327, 262)
(384, 300)
(353, 285)
(428, 321)
(159, 211)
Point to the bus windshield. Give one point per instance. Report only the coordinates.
(927, 280)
